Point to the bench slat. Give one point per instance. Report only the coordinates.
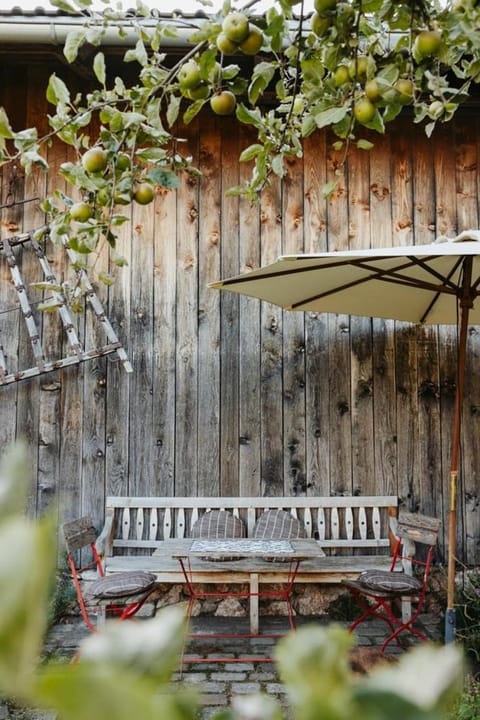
(307, 521)
(180, 524)
(167, 523)
(263, 502)
(334, 523)
(126, 523)
(362, 523)
(349, 523)
(139, 524)
(153, 527)
(321, 523)
(377, 526)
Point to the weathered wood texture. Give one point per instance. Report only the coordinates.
(230, 396)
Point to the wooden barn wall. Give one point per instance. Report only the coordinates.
(230, 396)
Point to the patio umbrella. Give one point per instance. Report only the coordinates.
(432, 284)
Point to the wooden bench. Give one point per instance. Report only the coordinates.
(353, 531)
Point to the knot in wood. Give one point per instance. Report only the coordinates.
(273, 325)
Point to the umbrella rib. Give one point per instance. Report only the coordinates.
(386, 276)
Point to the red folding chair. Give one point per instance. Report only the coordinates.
(121, 594)
(377, 592)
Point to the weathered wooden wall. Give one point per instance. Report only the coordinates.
(230, 396)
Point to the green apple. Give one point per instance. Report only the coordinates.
(122, 162)
(81, 212)
(341, 75)
(320, 24)
(236, 27)
(201, 92)
(226, 46)
(404, 88)
(144, 194)
(364, 110)
(223, 103)
(428, 42)
(94, 160)
(372, 90)
(322, 6)
(358, 67)
(253, 42)
(189, 75)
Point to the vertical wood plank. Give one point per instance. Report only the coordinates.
(294, 453)
(229, 335)
(339, 378)
(383, 331)
(363, 479)
(316, 329)
(272, 352)
(444, 152)
(141, 382)
(186, 419)
(70, 465)
(209, 310)
(18, 351)
(429, 447)
(249, 410)
(407, 412)
(164, 328)
(467, 144)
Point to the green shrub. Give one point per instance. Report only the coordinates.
(467, 603)
(467, 706)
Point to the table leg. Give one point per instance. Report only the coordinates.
(253, 601)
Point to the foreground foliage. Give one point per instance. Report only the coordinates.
(351, 65)
(125, 670)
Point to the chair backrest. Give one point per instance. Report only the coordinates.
(78, 534)
(412, 529)
(418, 528)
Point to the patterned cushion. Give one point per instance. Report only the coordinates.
(278, 525)
(122, 585)
(385, 581)
(219, 524)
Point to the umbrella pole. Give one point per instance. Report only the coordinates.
(466, 303)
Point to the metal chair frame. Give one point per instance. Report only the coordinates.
(80, 534)
(410, 529)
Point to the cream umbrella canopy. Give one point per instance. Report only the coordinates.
(429, 284)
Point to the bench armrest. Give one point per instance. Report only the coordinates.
(104, 542)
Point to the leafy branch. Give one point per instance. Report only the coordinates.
(351, 65)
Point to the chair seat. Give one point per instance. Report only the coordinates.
(384, 581)
(354, 585)
(121, 585)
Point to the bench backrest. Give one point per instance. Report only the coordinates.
(337, 522)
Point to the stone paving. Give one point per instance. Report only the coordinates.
(221, 682)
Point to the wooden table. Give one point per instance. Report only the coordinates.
(248, 557)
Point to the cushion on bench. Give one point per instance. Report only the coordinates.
(278, 525)
(385, 581)
(219, 524)
(122, 584)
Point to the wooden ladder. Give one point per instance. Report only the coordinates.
(77, 354)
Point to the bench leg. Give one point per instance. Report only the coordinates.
(253, 600)
(406, 609)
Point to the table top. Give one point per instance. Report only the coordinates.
(291, 549)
